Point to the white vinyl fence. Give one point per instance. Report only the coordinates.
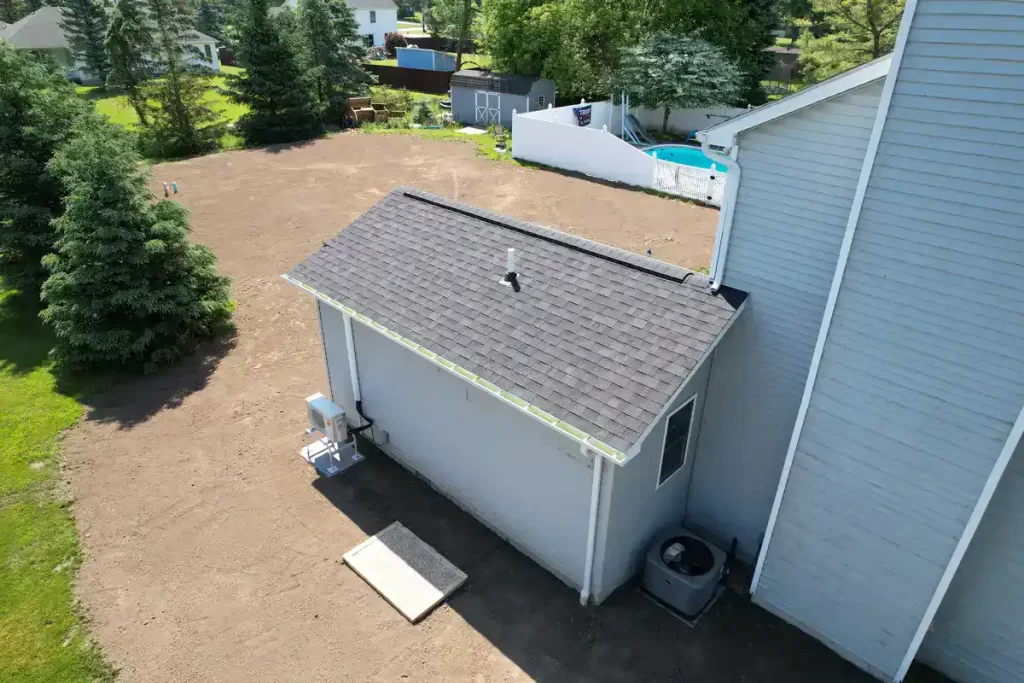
(551, 137)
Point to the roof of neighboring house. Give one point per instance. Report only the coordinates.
(37, 31)
(493, 82)
(724, 134)
(371, 4)
(41, 30)
(3, 25)
(598, 338)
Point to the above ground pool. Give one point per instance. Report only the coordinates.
(682, 154)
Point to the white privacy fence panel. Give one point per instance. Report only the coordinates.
(704, 184)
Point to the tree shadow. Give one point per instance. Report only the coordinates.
(285, 146)
(25, 342)
(129, 401)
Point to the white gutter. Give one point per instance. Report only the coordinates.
(595, 500)
(728, 209)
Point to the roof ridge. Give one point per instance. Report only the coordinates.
(645, 264)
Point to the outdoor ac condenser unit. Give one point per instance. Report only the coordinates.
(327, 418)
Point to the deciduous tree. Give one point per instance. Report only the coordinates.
(674, 71)
(12, 10)
(126, 288)
(852, 32)
(281, 105)
(38, 108)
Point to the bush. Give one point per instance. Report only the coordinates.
(392, 42)
(395, 99)
(422, 113)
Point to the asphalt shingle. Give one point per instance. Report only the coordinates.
(591, 325)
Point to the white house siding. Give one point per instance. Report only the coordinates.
(638, 507)
(511, 472)
(978, 633)
(922, 373)
(386, 22)
(799, 175)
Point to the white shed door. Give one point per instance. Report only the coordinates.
(488, 107)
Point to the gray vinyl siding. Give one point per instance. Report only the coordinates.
(638, 507)
(978, 633)
(464, 106)
(514, 474)
(922, 373)
(799, 175)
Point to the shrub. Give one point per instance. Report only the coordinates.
(422, 113)
(392, 42)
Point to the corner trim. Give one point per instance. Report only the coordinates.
(881, 115)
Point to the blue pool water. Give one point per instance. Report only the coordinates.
(687, 156)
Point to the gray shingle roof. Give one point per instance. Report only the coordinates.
(493, 82)
(598, 337)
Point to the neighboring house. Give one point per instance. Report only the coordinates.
(41, 32)
(866, 411)
(376, 18)
(3, 25)
(482, 97)
(565, 415)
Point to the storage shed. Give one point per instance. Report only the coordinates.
(429, 60)
(563, 413)
(484, 98)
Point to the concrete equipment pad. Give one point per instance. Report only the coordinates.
(407, 572)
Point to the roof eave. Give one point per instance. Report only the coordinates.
(564, 428)
(724, 134)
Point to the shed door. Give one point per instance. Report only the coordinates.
(488, 107)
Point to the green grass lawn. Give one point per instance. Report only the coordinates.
(42, 637)
(115, 106)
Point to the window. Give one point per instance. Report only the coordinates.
(373, 17)
(677, 440)
(540, 101)
(209, 53)
(368, 40)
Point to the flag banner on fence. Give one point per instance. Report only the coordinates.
(582, 115)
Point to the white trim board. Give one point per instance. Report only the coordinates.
(844, 255)
(724, 134)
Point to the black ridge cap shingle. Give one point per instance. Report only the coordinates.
(592, 322)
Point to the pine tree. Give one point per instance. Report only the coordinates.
(85, 25)
(331, 54)
(37, 110)
(129, 44)
(12, 10)
(182, 124)
(211, 18)
(281, 106)
(126, 287)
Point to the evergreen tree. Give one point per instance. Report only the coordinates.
(281, 106)
(130, 45)
(37, 110)
(183, 123)
(211, 18)
(12, 10)
(331, 54)
(126, 287)
(852, 32)
(33, 5)
(85, 25)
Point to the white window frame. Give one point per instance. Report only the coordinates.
(373, 16)
(686, 447)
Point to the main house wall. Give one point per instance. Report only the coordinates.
(799, 175)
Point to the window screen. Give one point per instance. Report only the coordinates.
(677, 438)
(373, 17)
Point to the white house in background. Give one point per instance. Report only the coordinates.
(41, 32)
(376, 18)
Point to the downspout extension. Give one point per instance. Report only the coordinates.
(727, 212)
(595, 499)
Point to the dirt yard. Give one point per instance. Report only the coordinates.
(213, 552)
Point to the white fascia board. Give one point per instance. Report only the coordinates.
(507, 397)
(724, 134)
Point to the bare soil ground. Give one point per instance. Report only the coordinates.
(213, 552)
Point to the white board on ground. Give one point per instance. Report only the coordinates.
(407, 572)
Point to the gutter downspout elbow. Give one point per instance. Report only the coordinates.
(595, 500)
(727, 212)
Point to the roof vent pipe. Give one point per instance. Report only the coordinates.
(510, 279)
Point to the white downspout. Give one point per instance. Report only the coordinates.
(727, 212)
(595, 499)
(350, 346)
